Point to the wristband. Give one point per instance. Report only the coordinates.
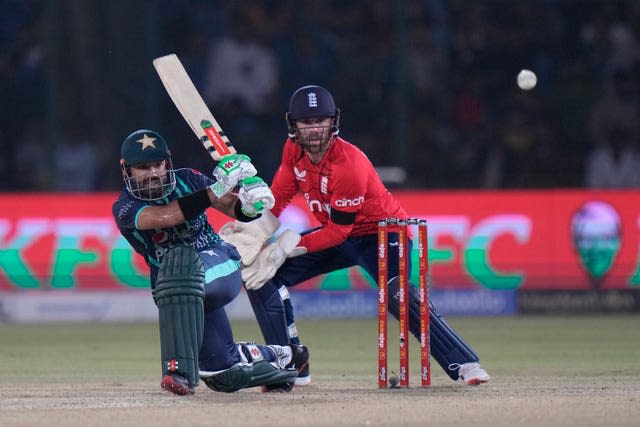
(241, 216)
(194, 204)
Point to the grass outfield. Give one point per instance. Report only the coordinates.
(543, 346)
(579, 370)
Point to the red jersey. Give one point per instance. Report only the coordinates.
(344, 180)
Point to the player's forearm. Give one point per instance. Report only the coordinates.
(159, 216)
(325, 237)
(183, 209)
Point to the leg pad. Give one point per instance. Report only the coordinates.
(179, 295)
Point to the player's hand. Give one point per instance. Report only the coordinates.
(255, 196)
(270, 258)
(249, 237)
(231, 169)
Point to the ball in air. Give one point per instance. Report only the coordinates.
(527, 80)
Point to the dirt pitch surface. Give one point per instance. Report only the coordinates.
(331, 401)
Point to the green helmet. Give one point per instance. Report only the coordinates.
(147, 146)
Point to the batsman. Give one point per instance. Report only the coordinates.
(193, 273)
(346, 195)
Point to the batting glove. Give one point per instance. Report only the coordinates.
(231, 169)
(255, 196)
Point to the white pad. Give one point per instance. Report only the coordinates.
(249, 237)
(269, 260)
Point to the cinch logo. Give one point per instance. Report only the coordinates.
(344, 203)
(313, 99)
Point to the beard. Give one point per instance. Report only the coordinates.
(314, 140)
(152, 186)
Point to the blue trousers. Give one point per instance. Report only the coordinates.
(274, 311)
(222, 285)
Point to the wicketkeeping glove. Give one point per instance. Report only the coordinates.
(255, 196)
(269, 260)
(249, 237)
(231, 169)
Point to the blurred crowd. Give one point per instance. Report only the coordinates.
(427, 86)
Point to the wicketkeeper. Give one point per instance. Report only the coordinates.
(194, 274)
(345, 194)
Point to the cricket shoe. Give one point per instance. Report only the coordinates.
(176, 384)
(473, 374)
(304, 375)
(292, 357)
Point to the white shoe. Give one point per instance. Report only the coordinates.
(304, 375)
(473, 374)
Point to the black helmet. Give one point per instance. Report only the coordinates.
(309, 102)
(146, 146)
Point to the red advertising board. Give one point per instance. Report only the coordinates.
(528, 240)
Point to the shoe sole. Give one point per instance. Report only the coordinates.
(302, 381)
(175, 388)
(476, 381)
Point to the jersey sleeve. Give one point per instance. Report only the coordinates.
(328, 236)
(284, 186)
(126, 211)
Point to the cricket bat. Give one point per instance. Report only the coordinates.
(186, 98)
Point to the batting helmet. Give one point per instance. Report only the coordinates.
(310, 102)
(147, 146)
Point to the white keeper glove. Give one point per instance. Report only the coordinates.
(269, 260)
(231, 169)
(249, 237)
(255, 196)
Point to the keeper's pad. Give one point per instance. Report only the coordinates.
(447, 348)
(179, 295)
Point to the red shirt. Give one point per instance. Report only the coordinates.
(344, 180)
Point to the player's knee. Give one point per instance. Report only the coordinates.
(181, 273)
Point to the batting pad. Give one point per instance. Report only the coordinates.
(179, 295)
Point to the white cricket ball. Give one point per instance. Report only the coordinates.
(527, 79)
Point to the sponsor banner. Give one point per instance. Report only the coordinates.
(75, 306)
(576, 302)
(322, 304)
(510, 240)
(138, 306)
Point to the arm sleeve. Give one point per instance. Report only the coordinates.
(284, 185)
(330, 235)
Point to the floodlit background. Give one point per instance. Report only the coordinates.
(424, 85)
(530, 195)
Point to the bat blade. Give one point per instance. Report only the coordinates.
(190, 104)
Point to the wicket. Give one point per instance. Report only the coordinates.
(400, 226)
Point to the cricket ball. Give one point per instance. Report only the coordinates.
(394, 381)
(527, 80)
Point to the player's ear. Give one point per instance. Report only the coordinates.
(291, 125)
